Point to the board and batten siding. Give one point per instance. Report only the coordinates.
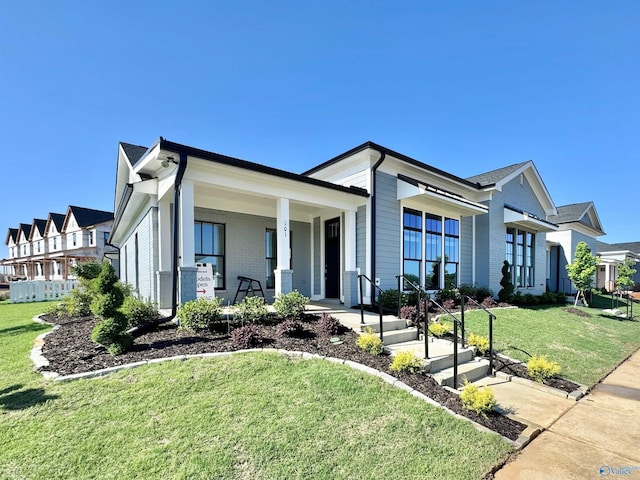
(388, 222)
(144, 257)
(466, 251)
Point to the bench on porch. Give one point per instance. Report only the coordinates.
(247, 286)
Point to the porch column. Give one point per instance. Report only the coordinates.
(164, 279)
(187, 269)
(283, 272)
(350, 274)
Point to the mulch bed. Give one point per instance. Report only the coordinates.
(69, 350)
(520, 370)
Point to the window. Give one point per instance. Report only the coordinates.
(520, 253)
(91, 237)
(74, 239)
(451, 252)
(55, 243)
(105, 236)
(271, 254)
(412, 245)
(38, 244)
(433, 252)
(210, 247)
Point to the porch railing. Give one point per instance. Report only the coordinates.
(492, 317)
(403, 282)
(39, 290)
(456, 324)
(374, 288)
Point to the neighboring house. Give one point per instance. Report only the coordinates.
(612, 255)
(578, 222)
(46, 249)
(368, 211)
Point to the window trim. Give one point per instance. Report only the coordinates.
(222, 256)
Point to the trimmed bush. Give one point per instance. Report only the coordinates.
(329, 325)
(439, 329)
(291, 305)
(406, 361)
(389, 298)
(199, 314)
(289, 327)
(138, 312)
(479, 400)
(111, 334)
(506, 292)
(541, 369)
(370, 342)
(87, 269)
(252, 309)
(246, 337)
(480, 342)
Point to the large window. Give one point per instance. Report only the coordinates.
(441, 249)
(412, 245)
(271, 254)
(209, 239)
(520, 253)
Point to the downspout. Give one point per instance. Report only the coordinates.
(374, 170)
(182, 166)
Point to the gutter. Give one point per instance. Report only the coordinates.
(182, 166)
(374, 170)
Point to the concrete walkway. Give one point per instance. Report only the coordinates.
(598, 437)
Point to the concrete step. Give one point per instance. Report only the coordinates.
(399, 336)
(472, 371)
(436, 363)
(389, 323)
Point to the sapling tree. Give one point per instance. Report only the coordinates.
(626, 271)
(582, 270)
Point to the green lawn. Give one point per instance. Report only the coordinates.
(586, 348)
(247, 416)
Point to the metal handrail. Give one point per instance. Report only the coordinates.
(419, 290)
(360, 277)
(492, 317)
(456, 321)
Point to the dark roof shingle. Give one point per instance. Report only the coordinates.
(494, 176)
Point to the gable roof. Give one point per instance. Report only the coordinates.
(495, 176)
(38, 224)
(133, 152)
(12, 234)
(87, 217)
(57, 219)
(633, 247)
(583, 213)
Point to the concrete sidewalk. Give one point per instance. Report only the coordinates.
(598, 437)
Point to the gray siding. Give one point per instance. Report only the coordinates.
(361, 239)
(387, 231)
(245, 250)
(146, 259)
(522, 197)
(317, 271)
(482, 238)
(466, 251)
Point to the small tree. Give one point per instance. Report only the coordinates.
(582, 270)
(625, 274)
(506, 292)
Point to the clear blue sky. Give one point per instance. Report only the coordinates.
(465, 86)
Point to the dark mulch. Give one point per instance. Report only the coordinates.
(520, 370)
(577, 311)
(70, 350)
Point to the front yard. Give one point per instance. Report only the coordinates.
(586, 347)
(245, 416)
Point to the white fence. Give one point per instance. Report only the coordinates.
(39, 290)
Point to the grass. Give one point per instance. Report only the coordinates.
(586, 348)
(245, 416)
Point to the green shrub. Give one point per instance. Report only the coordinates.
(439, 329)
(406, 361)
(448, 294)
(252, 309)
(329, 325)
(138, 312)
(506, 292)
(199, 314)
(542, 369)
(291, 305)
(4, 295)
(121, 344)
(389, 298)
(246, 337)
(109, 330)
(480, 342)
(370, 342)
(87, 269)
(289, 327)
(479, 400)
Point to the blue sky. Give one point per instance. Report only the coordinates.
(464, 86)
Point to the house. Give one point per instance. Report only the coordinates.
(578, 222)
(369, 211)
(47, 248)
(612, 255)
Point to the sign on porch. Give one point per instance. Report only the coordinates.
(205, 281)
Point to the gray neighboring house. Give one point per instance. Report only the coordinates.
(612, 255)
(369, 211)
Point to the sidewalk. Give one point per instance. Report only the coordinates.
(598, 437)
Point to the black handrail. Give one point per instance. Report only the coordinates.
(419, 290)
(492, 317)
(456, 321)
(360, 277)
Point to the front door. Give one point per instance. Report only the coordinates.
(332, 258)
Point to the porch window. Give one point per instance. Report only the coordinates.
(412, 245)
(433, 252)
(209, 239)
(451, 252)
(530, 249)
(91, 238)
(271, 253)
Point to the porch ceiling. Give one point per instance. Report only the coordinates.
(528, 221)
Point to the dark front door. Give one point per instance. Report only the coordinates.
(332, 258)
